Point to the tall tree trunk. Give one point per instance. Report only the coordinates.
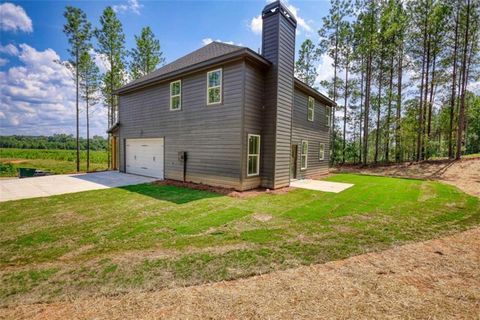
(398, 149)
(461, 117)
(389, 113)
(77, 109)
(345, 113)
(367, 107)
(454, 86)
(430, 104)
(379, 104)
(332, 145)
(420, 106)
(425, 100)
(88, 127)
(361, 113)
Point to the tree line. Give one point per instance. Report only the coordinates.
(57, 141)
(401, 78)
(108, 43)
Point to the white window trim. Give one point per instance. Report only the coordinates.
(313, 109)
(219, 86)
(321, 156)
(253, 154)
(306, 156)
(177, 95)
(328, 115)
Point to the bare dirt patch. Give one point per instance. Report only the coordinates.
(262, 217)
(434, 279)
(464, 173)
(224, 191)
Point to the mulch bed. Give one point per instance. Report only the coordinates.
(223, 191)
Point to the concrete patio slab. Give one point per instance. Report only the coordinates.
(15, 189)
(319, 185)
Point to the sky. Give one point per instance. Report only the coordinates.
(37, 93)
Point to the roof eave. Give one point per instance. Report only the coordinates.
(240, 54)
(320, 96)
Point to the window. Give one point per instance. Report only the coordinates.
(304, 154)
(253, 159)
(311, 109)
(214, 87)
(176, 95)
(327, 115)
(321, 151)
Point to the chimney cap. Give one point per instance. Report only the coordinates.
(279, 7)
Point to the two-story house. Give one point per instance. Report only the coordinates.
(226, 116)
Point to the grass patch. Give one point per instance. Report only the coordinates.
(153, 236)
(51, 160)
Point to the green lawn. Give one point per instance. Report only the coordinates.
(150, 236)
(54, 161)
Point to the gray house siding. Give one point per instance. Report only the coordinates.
(253, 119)
(209, 133)
(315, 132)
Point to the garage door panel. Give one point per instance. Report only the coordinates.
(145, 157)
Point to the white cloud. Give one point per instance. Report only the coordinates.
(474, 87)
(38, 96)
(325, 71)
(3, 62)
(131, 5)
(256, 22)
(9, 49)
(14, 18)
(210, 40)
(100, 60)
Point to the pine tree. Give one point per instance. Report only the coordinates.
(111, 44)
(78, 31)
(146, 56)
(305, 69)
(89, 90)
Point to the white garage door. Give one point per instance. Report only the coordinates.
(145, 157)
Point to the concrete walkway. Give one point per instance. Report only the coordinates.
(15, 189)
(319, 185)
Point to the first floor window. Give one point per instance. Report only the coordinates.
(311, 109)
(304, 155)
(327, 115)
(214, 86)
(176, 95)
(321, 151)
(253, 159)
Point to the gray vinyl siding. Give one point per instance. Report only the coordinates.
(210, 134)
(315, 132)
(269, 51)
(253, 119)
(278, 46)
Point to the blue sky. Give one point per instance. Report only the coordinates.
(37, 94)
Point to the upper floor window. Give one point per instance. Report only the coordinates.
(321, 151)
(253, 158)
(176, 95)
(311, 109)
(328, 111)
(304, 155)
(214, 86)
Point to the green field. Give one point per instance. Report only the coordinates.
(55, 161)
(151, 236)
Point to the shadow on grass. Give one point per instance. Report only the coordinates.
(174, 194)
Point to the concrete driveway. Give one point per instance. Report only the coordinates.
(15, 189)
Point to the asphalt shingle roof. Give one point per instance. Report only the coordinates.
(210, 51)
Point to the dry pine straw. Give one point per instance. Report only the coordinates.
(436, 279)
